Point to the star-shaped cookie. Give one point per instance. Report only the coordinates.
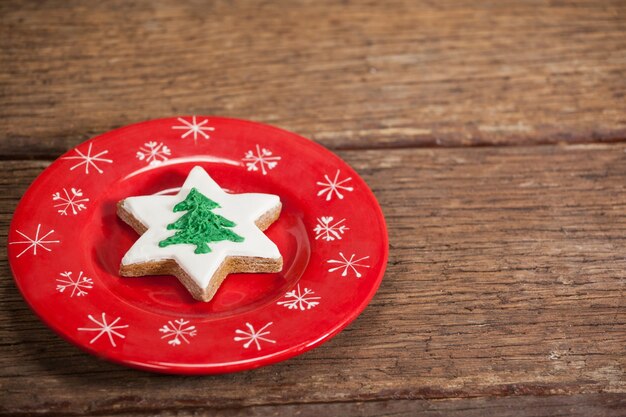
(201, 234)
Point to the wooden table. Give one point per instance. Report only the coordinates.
(492, 132)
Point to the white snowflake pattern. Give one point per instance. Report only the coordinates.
(346, 264)
(328, 230)
(79, 286)
(153, 153)
(103, 327)
(177, 331)
(67, 202)
(262, 159)
(252, 336)
(194, 127)
(89, 159)
(299, 299)
(334, 186)
(34, 243)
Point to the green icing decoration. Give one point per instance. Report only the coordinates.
(199, 226)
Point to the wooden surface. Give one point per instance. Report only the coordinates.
(347, 74)
(505, 291)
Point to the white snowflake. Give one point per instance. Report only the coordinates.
(298, 299)
(89, 160)
(78, 286)
(73, 201)
(347, 264)
(34, 243)
(177, 330)
(334, 186)
(153, 153)
(103, 327)
(253, 336)
(262, 159)
(194, 127)
(328, 230)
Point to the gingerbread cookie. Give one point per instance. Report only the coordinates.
(201, 234)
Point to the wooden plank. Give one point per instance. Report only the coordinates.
(506, 278)
(596, 405)
(347, 74)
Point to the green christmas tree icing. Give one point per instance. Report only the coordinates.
(199, 226)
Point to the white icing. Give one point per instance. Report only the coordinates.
(155, 212)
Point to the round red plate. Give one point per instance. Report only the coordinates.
(66, 243)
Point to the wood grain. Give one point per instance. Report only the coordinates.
(585, 405)
(506, 279)
(348, 74)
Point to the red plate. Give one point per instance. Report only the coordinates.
(66, 243)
